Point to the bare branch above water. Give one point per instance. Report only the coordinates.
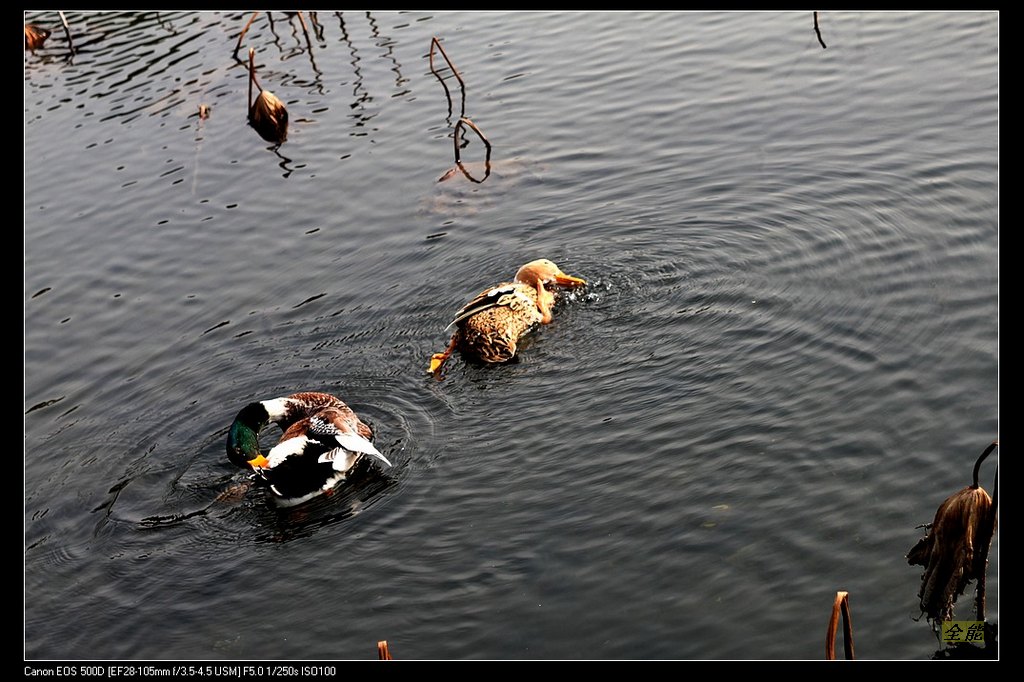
(458, 159)
(817, 32)
(245, 30)
(67, 31)
(462, 84)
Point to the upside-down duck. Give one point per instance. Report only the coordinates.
(489, 327)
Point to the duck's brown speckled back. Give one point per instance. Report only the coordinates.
(308, 403)
(489, 327)
(493, 334)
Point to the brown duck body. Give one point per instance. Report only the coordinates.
(493, 334)
(490, 326)
(299, 407)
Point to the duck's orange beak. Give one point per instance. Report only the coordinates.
(568, 280)
(259, 462)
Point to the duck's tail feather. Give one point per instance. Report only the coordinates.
(356, 443)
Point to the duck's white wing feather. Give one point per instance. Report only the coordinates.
(286, 449)
(329, 433)
(351, 444)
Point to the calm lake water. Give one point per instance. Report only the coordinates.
(786, 356)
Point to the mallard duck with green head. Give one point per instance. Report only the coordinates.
(323, 440)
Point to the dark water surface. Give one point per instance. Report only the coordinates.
(785, 359)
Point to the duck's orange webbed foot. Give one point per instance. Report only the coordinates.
(437, 360)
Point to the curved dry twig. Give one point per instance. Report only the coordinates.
(309, 48)
(986, 529)
(981, 458)
(67, 31)
(458, 158)
(841, 604)
(252, 79)
(466, 122)
(817, 32)
(245, 30)
(462, 84)
(309, 43)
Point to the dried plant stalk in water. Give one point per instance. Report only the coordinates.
(67, 31)
(267, 114)
(817, 32)
(458, 156)
(841, 604)
(245, 30)
(955, 549)
(269, 117)
(434, 42)
(35, 36)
